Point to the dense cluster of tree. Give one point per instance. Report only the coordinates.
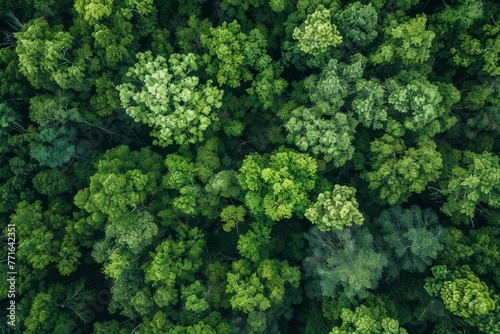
(250, 166)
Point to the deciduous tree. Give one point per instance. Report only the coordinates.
(398, 172)
(175, 104)
(335, 209)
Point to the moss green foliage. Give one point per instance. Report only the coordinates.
(250, 166)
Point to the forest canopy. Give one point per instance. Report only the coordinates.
(250, 166)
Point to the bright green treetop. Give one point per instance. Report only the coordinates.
(462, 292)
(478, 181)
(398, 172)
(367, 320)
(174, 264)
(317, 33)
(344, 261)
(409, 42)
(335, 209)
(122, 182)
(175, 104)
(277, 184)
(357, 24)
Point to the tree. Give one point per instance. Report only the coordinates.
(324, 129)
(398, 172)
(369, 320)
(46, 58)
(478, 50)
(462, 292)
(54, 109)
(40, 319)
(335, 210)
(13, 189)
(134, 232)
(175, 264)
(173, 103)
(343, 261)
(113, 29)
(253, 245)
(45, 235)
(412, 238)
(478, 248)
(58, 308)
(7, 118)
(357, 24)
(51, 182)
(230, 52)
(277, 184)
(212, 323)
(232, 216)
(53, 146)
(188, 179)
(369, 104)
(418, 105)
(327, 137)
(123, 181)
(233, 57)
(317, 33)
(409, 42)
(478, 182)
(224, 184)
(462, 12)
(254, 290)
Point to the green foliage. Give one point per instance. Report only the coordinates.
(323, 130)
(317, 33)
(122, 182)
(369, 104)
(357, 24)
(477, 182)
(420, 106)
(253, 244)
(369, 320)
(344, 261)
(413, 238)
(398, 172)
(44, 236)
(46, 58)
(227, 58)
(54, 109)
(408, 42)
(335, 210)
(59, 309)
(174, 264)
(7, 117)
(187, 178)
(224, 184)
(176, 105)
(233, 57)
(478, 248)
(277, 184)
(53, 146)
(464, 12)
(232, 216)
(240, 166)
(462, 292)
(478, 52)
(258, 289)
(329, 137)
(52, 182)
